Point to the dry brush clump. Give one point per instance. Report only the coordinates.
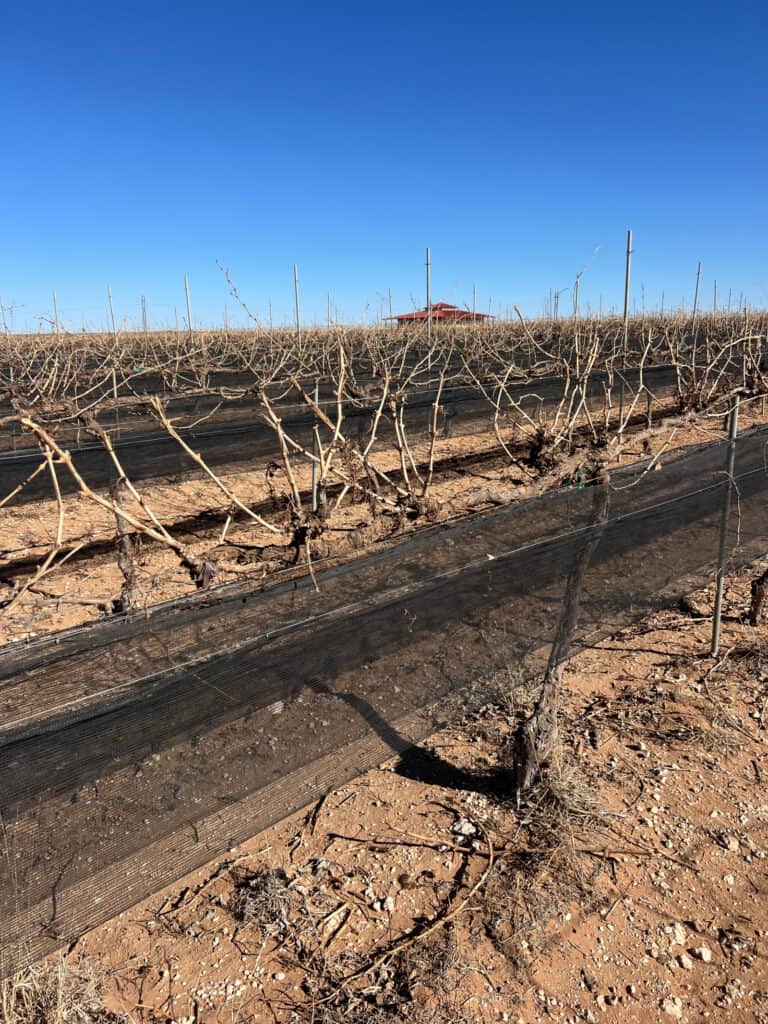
(60, 990)
(264, 899)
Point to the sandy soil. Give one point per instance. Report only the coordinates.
(633, 887)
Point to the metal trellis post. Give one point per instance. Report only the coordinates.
(724, 523)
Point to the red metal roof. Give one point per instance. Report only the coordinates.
(440, 311)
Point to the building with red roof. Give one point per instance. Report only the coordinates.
(441, 311)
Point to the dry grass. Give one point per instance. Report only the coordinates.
(56, 991)
(390, 995)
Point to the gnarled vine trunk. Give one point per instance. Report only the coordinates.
(536, 738)
(759, 597)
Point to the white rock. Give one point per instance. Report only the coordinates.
(703, 953)
(673, 1006)
(464, 827)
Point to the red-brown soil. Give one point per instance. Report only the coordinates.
(633, 887)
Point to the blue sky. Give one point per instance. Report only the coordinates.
(144, 141)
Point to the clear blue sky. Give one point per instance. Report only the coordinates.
(144, 141)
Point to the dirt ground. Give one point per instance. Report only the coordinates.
(632, 887)
(84, 583)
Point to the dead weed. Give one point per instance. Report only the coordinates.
(56, 991)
